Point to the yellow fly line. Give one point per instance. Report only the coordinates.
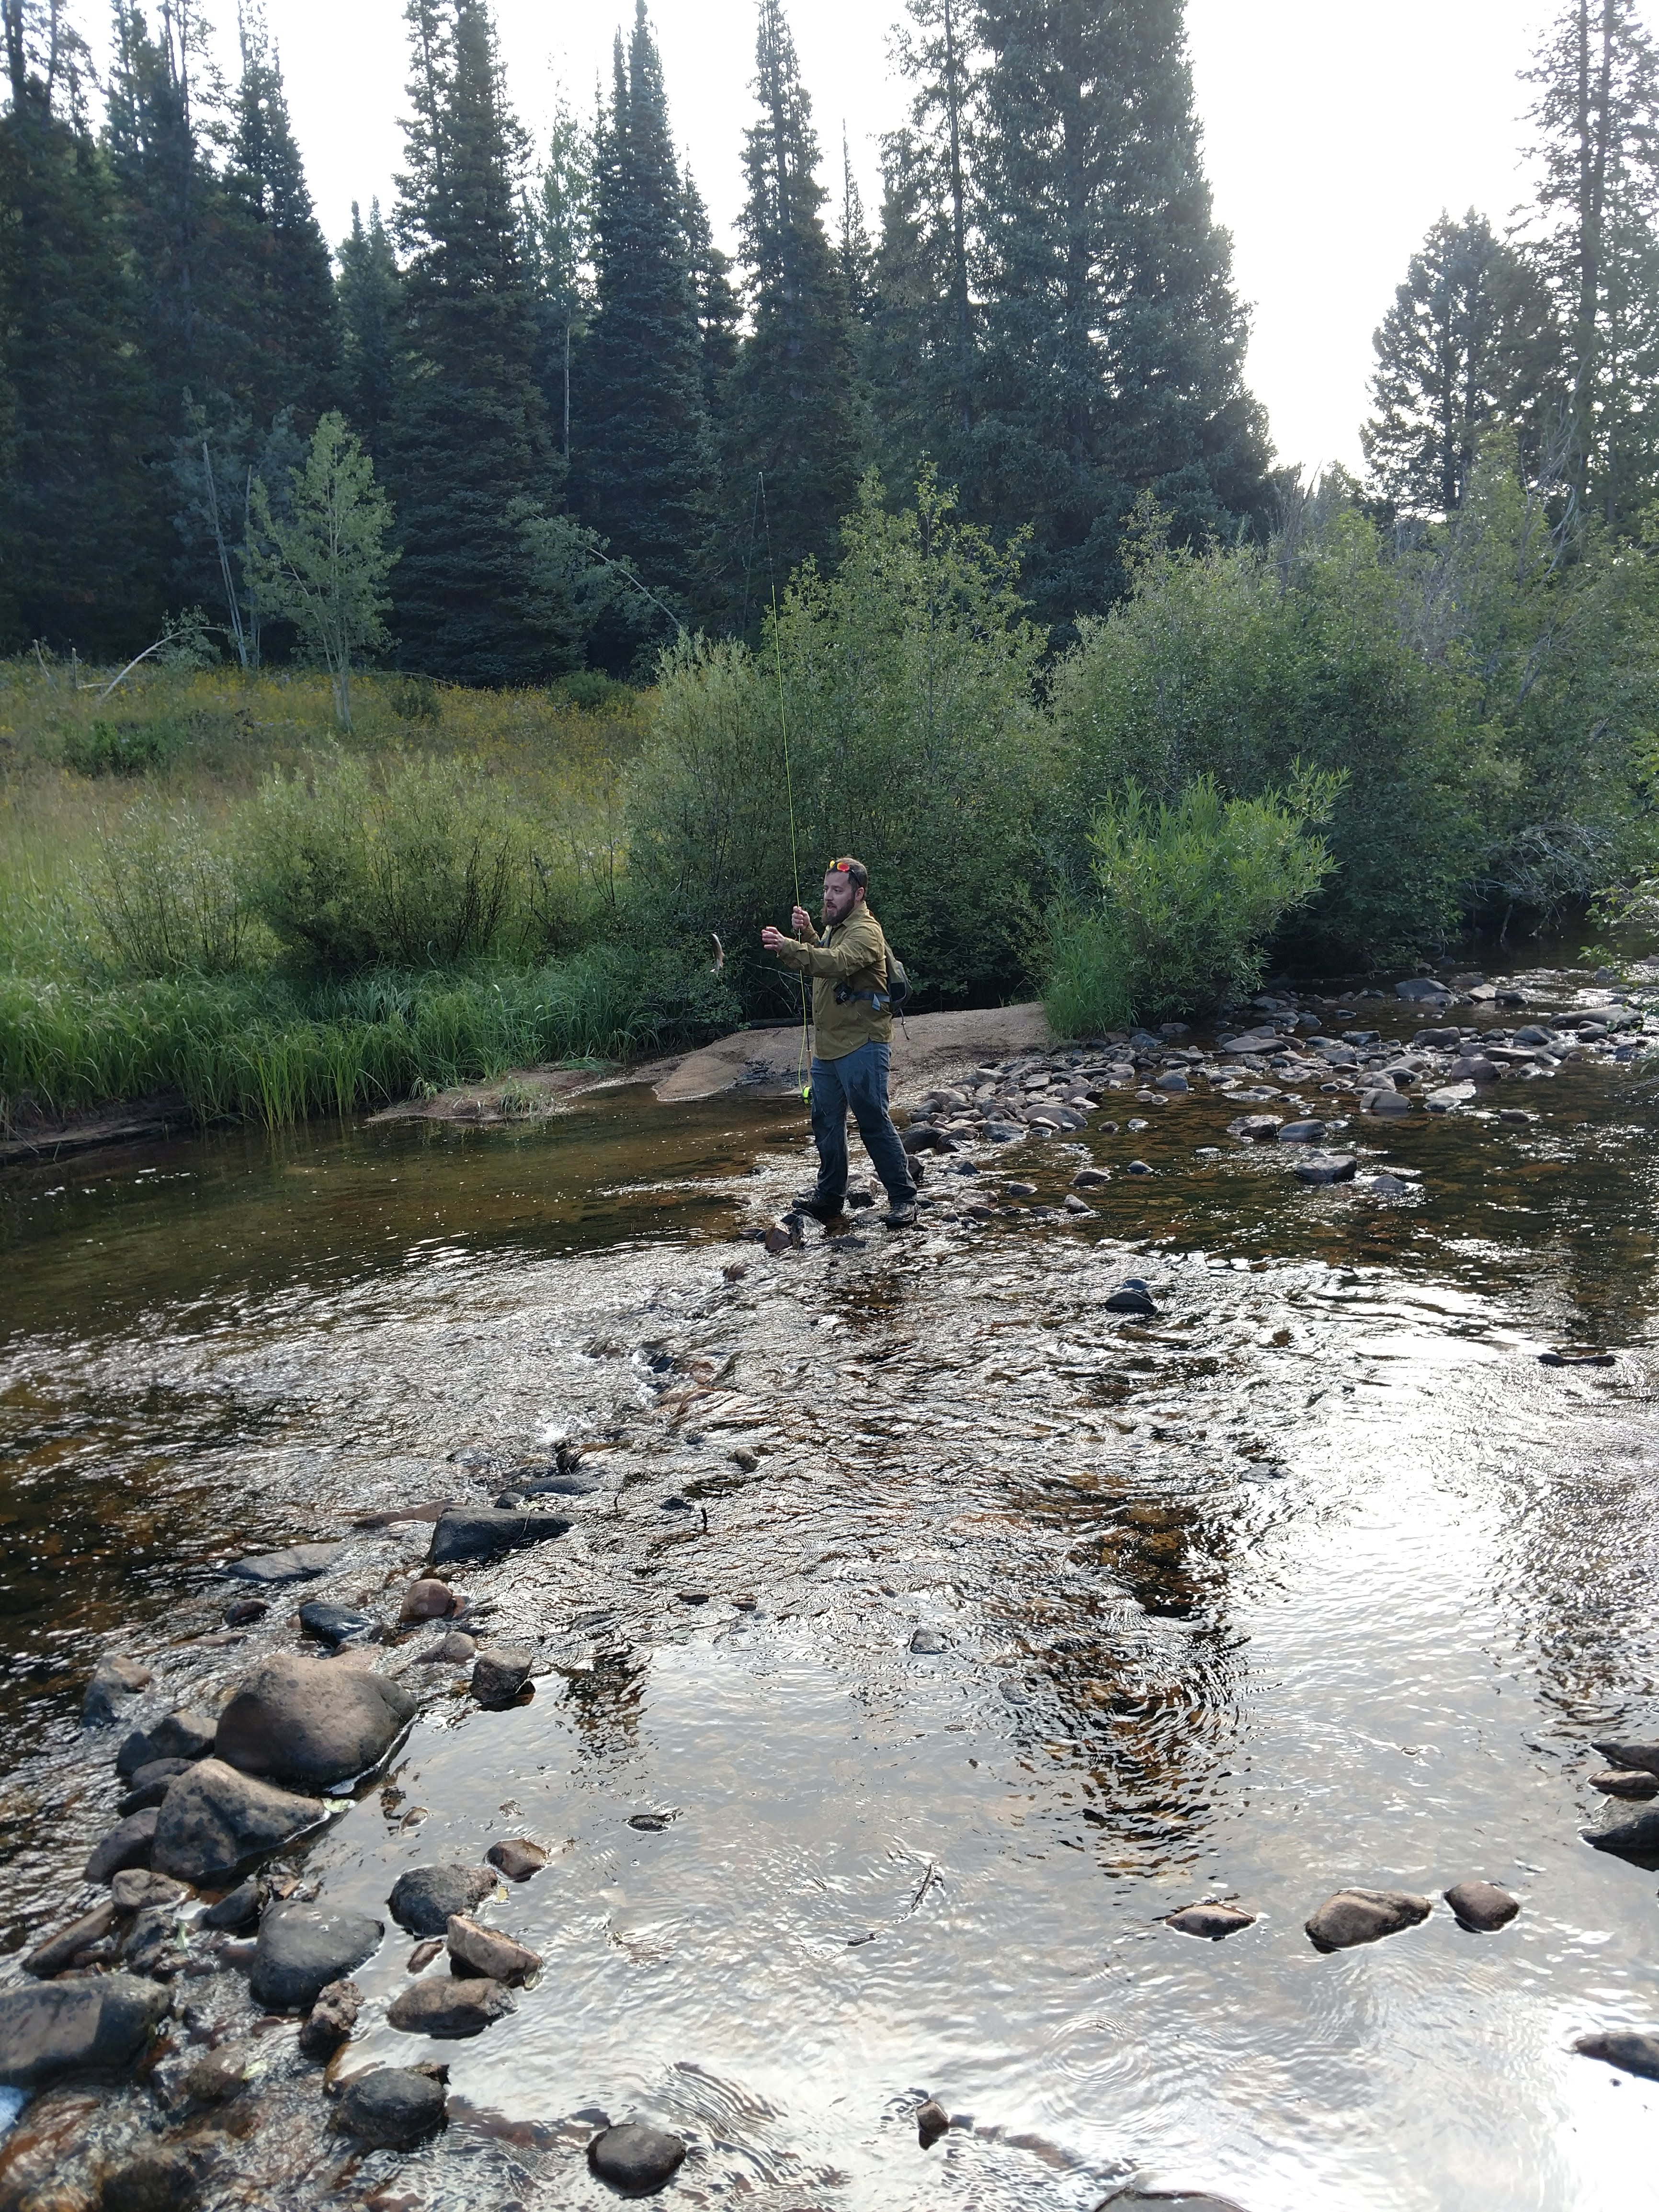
(801, 1077)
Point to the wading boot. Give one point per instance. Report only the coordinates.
(900, 1215)
(825, 1210)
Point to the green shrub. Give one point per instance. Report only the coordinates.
(591, 687)
(165, 898)
(420, 863)
(126, 748)
(904, 685)
(1189, 897)
(414, 699)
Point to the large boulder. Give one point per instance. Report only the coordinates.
(425, 1899)
(63, 2027)
(391, 2106)
(303, 1947)
(214, 1820)
(484, 1532)
(312, 1722)
(1364, 1916)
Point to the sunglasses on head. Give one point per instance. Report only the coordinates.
(839, 868)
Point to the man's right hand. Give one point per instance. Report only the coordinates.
(802, 921)
(772, 939)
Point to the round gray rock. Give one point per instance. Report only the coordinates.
(303, 1947)
(500, 1671)
(1628, 2049)
(312, 1722)
(635, 2159)
(1213, 1921)
(129, 1845)
(448, 2007)
(213, 1820)
(1482, 1905)
(393, 2105)
(423, 1899)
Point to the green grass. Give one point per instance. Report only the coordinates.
(275, 1052)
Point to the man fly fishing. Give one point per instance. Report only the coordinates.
(852, 1033)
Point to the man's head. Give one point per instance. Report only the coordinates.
(845, 883)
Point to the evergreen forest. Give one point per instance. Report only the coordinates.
(420, 645)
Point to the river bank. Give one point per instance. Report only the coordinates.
(928, 1627)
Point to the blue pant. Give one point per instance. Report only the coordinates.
(858, 1079)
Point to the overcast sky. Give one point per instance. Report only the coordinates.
(1334, 132)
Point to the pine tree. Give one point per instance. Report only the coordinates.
(83, 537)
(282, 303)
(371, 299)
(855, 257)
(1468, 342)
(719, 312)
(793, 413)
(484, 592)
(1597, 115)
(911, 345)
(645, 463)
(933, 55)
(561, 229)
(1111, 363)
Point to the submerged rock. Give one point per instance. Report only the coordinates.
(160, 2179)
(115, 1681)
(932, 2122)
(635, 2159)
(335, 1624)
(1482, 1905)
(1326, 1167)
(1627, 2048)
(60, 2027)
(517, 1858)
(1364, 1916)
(295, 1563)
(1255, 1128)
(926, 1642)
(483, 1532)
(213, 1820)
(1302, 1133)
(1214, 1921)
(302, 1720)
(129, 1845)
(303, 1947)
(424, 1898)
(488, 1952)
(449, 2010)
(393, 2105)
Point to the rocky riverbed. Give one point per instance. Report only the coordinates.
(535, 1672)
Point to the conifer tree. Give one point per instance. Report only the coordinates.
(934, 53)
(792, 412)
(1111, 361)
(485, 591)
(81, 530)
(855, 255)
(719, 312)
(561, 229)
(1597, 116)
(1468, 342)
(281, 304)
(371, 297)
(644, 458)
(911, 344)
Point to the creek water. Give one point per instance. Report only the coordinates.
(1319, 1577)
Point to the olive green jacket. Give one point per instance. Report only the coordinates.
(854, 952)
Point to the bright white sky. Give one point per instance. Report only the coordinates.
(1334, 133)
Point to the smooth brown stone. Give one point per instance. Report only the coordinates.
(1625, 1781)
(1364, 1916)
(1482, 1905)
(517, 1858)
(1215, 1920)
(449, 2010)
(488, 1952)
(427, 1600)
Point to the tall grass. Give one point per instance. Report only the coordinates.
(276, 1052)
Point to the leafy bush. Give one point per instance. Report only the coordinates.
(414, 699)
(1189, 897)
(126, 748)
(422, 863)
(904, 685)
(165, 897)
(591, 688)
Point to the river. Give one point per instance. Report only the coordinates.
(1317, 1577)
